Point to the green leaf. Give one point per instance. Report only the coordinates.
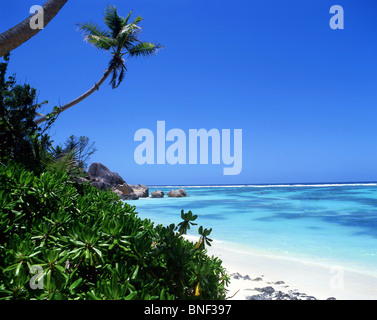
(98, 252)
(134, 275)
(74, 285)
(18, 268)
(131, 296)
(144, 49)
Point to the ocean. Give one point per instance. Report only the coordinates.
(329, 224)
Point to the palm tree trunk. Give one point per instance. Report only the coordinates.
(78, 99)
(14, 37)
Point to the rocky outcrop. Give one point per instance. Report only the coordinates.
(275, 291)
(80, 180)
(118, 192)
(123, 188)
(102, 177)
(157, 194)
(125, 192)
(131, 196)
(177, 193)
(269, 293)
(140, 190)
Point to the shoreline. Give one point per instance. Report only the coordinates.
(259, 276)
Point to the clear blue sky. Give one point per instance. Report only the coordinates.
(304, 95)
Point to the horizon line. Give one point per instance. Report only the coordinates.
(358, 183)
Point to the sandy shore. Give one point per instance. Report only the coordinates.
(264, 276)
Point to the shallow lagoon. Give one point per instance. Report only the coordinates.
(330, 224)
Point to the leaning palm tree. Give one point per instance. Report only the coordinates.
(121, 40)
(22, 32)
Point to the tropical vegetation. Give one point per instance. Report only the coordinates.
(84, 243)
(64, 239)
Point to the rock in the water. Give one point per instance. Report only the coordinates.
(102, 177)
(177, 193)
(131, 196)
(157, 194)
(257, 279)
(258, 297)
(236, 275)
(283, 296)
(140, 190)
(123, 188)
(266, 290)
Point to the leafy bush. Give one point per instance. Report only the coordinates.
(85, 243)
(21, 139)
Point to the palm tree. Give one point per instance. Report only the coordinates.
(22, 32)
(121, 39)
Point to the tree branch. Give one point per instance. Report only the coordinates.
(22, 32)
(77, 100)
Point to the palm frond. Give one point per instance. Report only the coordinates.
(97, 36)
(114, 77)
(121, 76)
(129, 29)
(113, 20)
(127, 38)
(137, 20)
(144, 49)
(92, 30)
(125, 20)
(118, 71)
(104, 43)
(121, 37)
(64, 162)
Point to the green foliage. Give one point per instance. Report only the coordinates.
(82, 147)
(85, 243)
(122, 38)
(21, 139)
(187, 221)
(64, 162)
(63, 240)
(72, 157)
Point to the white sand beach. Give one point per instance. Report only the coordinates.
(253, 271)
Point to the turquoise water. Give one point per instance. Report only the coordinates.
(334, 224)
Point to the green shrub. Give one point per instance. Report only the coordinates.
(85, 243)
(21, 140)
